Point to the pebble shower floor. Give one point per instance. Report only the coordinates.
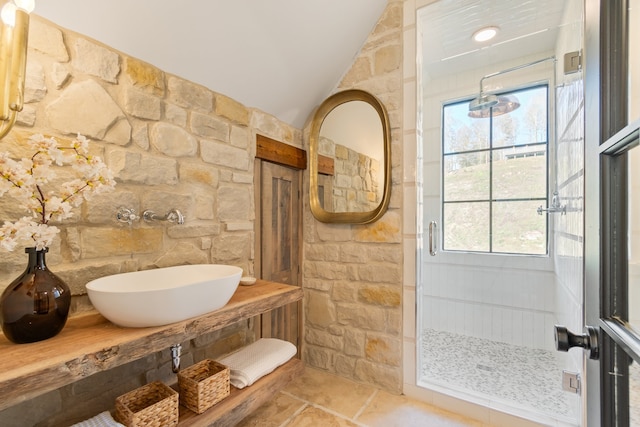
(515, 376)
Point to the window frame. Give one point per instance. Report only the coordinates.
(491, 149)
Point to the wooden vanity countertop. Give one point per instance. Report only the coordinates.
(89, 343)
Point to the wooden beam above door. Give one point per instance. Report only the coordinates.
(278, 152)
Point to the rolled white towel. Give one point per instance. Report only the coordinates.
(103, 419)
(256, 360)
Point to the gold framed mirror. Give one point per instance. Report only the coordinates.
(350, 159)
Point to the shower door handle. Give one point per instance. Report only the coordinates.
(588, 341)
(433, 248)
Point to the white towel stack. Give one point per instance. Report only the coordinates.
(103, 419)
(256, 360)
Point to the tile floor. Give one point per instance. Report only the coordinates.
(318, 398)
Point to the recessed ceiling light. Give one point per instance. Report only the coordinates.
(484, 34)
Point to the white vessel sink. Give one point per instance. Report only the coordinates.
(164, 295)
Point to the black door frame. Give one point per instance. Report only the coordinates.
(606, 73)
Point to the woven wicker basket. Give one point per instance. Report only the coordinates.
(152, 405)
(203, 385)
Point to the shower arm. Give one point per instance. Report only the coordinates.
(517, 67)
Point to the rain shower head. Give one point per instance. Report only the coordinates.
(485, 101)
(505, 104)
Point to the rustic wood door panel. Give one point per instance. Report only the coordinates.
(280, 244)
(279, 223)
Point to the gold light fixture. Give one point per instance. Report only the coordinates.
(14, 34)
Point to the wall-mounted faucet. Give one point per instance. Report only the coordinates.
(174, 215)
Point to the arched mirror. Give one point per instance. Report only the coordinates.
(350, 164)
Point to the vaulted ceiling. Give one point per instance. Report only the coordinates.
(280, 56)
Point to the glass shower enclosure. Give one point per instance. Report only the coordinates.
(503, 255)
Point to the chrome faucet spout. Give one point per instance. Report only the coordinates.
(173, 216)
(176, 216)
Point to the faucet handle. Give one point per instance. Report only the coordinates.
(127, 215)
(555, 206)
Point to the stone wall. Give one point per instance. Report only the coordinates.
(352, 274)
(171, 144)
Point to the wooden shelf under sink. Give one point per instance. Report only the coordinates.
(90, 344)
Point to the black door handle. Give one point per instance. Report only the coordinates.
(588, 341)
